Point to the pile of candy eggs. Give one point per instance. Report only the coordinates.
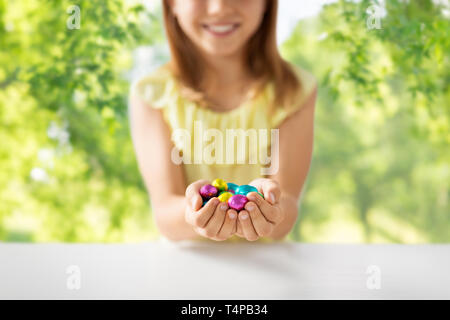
(233, 194)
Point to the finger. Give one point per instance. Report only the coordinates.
(235, 225)
(262, 227)
(229, 226)
(239, 231)
(201, 232)
(263, 205)
(257, 183)
(247, 226)
(213, 226)
(201, 217)
(270, 212)
(271, 190)
(193, 194)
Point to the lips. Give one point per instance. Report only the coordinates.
(221, 29)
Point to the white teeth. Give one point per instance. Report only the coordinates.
(221, 29)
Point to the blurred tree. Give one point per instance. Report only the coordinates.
(80, 181)
(382, 136)
(382, 128)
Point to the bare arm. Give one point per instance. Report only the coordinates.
(275, 215)
(163, 179)
(295, 152)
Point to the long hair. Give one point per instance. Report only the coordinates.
(261, 55)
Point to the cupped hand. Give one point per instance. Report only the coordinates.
(261, 215)
(215, 220)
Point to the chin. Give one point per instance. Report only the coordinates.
(222, 51)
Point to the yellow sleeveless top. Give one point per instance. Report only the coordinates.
(189, 123)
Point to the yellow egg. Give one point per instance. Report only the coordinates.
(220, 184)
(224, 196)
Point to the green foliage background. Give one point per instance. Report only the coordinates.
(381, 166)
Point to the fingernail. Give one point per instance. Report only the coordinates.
(193, 203)
(251, 197)
(223, 207)
(232, 215)
(272, 198)
(243, 216)
(251, 207)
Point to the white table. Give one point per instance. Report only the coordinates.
(217, 270)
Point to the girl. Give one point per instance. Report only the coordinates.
(225, 75)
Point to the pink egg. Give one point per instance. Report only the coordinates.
(237, 202)
(208, 191)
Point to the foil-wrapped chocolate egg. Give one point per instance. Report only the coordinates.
(224, 196)
(208, 191)
(232, 187)
(245, 188)
(237, 202)
(220, 184)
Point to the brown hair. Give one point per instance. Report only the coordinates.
(262, 56)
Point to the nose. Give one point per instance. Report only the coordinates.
(218, 6)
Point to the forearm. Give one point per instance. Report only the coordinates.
(170, 219)
(289, 205)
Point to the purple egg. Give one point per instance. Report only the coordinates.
(237, 202)
(208, 191)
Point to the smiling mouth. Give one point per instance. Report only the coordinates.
(222, 29)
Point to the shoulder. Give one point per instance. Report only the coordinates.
(298, 121)
(308, 82)
(154, 87)
(307, 93)
(304, 97)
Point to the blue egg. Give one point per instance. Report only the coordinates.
(232, 187)
(245, 188)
